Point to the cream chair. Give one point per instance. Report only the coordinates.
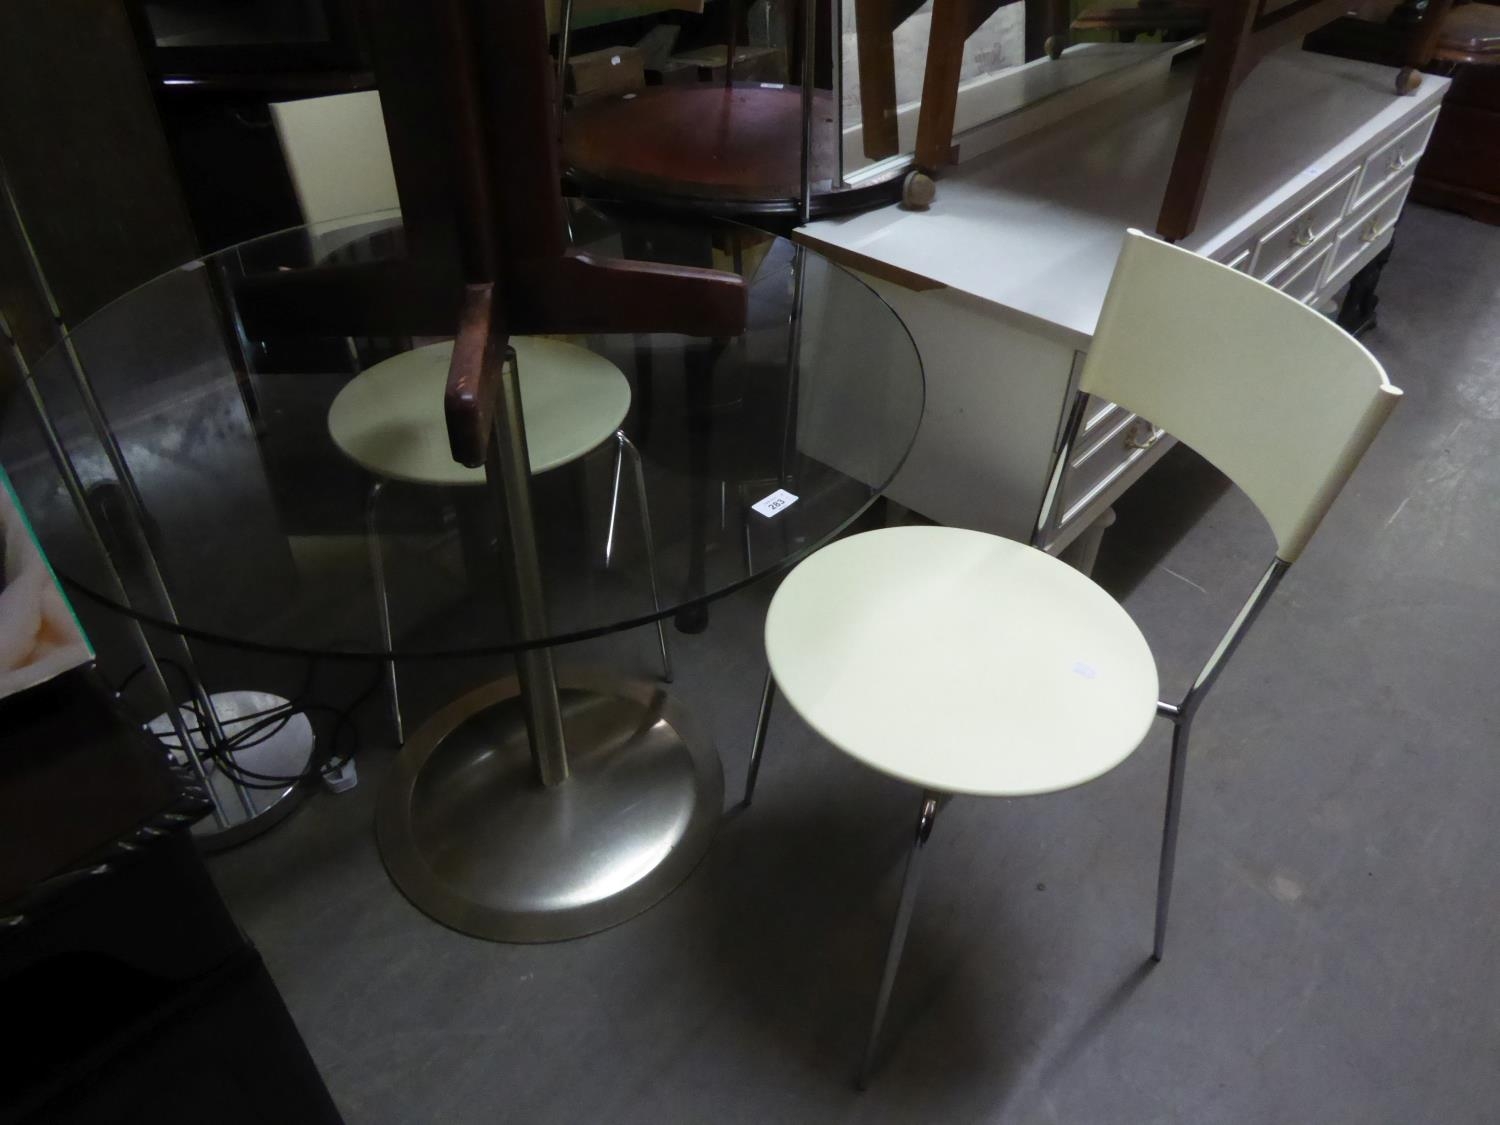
(337, 155)
(966, 663)
(389, 418)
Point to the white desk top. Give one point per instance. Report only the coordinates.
(1034, 228)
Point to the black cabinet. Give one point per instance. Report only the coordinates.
(129, 993)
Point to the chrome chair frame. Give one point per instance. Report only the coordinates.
(1180, 714)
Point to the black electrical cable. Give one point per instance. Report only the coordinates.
(257, 727)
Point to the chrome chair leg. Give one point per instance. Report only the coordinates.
(909, 884)
(757, 747)
(614, 496)
(383, 606)
(628, 447)
(1169, 835)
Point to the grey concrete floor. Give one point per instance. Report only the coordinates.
(1332, 954)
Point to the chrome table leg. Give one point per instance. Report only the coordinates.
(545, 807)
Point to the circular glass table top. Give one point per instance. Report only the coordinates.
(212, 460)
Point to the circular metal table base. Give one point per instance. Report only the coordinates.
(282, 750)
(474, 840)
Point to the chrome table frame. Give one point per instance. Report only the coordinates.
(490, 826)
(239, 812)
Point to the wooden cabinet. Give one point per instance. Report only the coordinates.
(1461, 170)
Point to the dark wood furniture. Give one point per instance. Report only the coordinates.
(1461, 170)
(1401, 34)
(83, 153)
(1175, 19)
(718, 143)
(733, 147)
(953, 22)
(128, 990)
(1239, 34)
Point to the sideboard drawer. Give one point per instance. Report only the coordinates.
(1369, 225)
(1089, 473)
(1303, 281)
(1392, 160)
(1274, 251)
(1099, 417)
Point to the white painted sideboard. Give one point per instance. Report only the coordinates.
(1001, 281)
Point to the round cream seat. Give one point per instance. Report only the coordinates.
(389, 418)
(961, 662)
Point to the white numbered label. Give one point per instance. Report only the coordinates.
(774, 504)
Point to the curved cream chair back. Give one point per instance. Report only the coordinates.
(1274, 395)
(337, 154)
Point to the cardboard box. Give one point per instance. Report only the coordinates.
(706, 64)
(615, 70)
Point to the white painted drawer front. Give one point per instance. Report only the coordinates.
(1370, 225)
(1303, 282)
(1100, 416)
(1310, 222)
(1392, 160)
(1089, 473)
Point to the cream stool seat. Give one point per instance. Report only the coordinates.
(961, 662)
(389, 418)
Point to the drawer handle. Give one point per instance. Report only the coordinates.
(1369, 232)
(1397, 162)
(1304, 235)
(1134, 442)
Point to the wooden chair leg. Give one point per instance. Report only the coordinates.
(1420, 46)
(1229, 26)
(1059, 19)
(874, 29)
(945, 57)
(758, 746)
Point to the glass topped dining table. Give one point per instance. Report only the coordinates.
(293, 494)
